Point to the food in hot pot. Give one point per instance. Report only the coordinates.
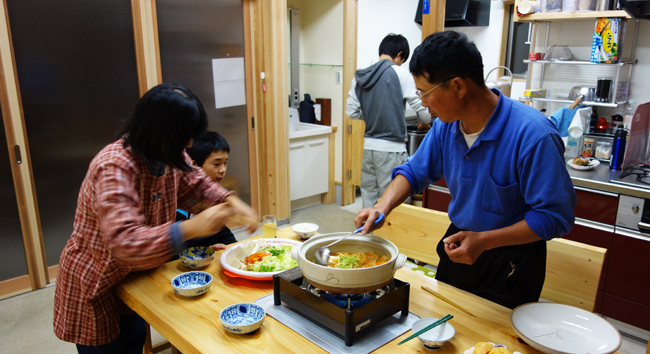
(354, 260)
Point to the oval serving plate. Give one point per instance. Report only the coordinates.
(556, 328)
(227, 257)
(592, 163)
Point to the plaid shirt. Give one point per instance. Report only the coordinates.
(122, 224)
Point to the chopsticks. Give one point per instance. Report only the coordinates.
(429, 327)
(436, 294)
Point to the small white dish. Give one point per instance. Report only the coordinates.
(242, 318)
(305, 230)
(192, 283)
(592, 163)
(556, 328)
(434, 338)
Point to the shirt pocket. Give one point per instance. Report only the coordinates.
(500, 199)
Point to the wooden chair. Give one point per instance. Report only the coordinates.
(415, 231)
(572, 268)
(572, 273)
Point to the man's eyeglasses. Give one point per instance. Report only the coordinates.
(423, 95)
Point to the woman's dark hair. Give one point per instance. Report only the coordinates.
(393, 44)
(205, 145)
(447, 54)
(164, 121)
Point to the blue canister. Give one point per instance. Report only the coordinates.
(618, 149)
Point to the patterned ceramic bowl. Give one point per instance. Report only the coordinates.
(434, 338)
(197, 257)
(242, 318)
(192, 283)
(305, 230)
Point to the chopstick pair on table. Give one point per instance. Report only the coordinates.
(434, 293)
(427, 328)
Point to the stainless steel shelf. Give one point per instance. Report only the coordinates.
(578, 62)
(583, 103)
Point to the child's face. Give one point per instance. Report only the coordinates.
(215, 165)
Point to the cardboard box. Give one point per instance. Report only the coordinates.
(540, 92)
(605, 46)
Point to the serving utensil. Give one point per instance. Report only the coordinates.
(427, 328)
(436, 294)
(322, 255)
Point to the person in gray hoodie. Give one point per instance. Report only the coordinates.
(378, 95)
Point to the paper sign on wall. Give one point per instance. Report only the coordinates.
(229, 82)
(426, 8)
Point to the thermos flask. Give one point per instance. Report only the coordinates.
(618, 149)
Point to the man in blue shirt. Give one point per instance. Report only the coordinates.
(503, 163)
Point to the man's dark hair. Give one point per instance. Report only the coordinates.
(393, 44)
(448, 54)
(164, 121)
(205, 145)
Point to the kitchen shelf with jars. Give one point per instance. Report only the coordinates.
(605, 58)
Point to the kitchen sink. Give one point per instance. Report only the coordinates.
(302, 130)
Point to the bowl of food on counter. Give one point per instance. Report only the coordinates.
(357, 264)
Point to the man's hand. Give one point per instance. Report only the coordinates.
(367, 217)
(464, 247)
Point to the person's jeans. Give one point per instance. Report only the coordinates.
(131, 339)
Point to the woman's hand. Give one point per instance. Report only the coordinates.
(207, 222)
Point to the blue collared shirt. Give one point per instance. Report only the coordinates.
(515, 170)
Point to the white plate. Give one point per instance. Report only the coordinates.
(558, 328)
(593, 163)
(236, 272)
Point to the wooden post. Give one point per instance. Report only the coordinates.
(433, 18)
(269, 33)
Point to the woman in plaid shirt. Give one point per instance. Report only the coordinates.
(125, 219)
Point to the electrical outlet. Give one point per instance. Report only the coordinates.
(338, 77)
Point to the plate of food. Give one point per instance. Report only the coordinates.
(489, 348)
(259, 259)
(583, 163)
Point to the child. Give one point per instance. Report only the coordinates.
(210, 152)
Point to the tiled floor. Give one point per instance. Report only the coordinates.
(26, 320)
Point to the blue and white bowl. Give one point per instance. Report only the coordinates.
(197, 257)
(242, 318)
(192, 283)
(434, 338)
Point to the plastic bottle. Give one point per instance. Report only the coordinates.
(618, 149)
(572, 147)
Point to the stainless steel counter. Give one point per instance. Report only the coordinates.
(601, 177)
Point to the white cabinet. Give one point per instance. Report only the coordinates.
(308, 166)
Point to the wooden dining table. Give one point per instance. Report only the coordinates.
(192, 325)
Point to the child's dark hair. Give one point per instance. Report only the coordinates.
(206, 144)
(164, 121)
(393, 44)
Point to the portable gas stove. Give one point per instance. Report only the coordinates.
(346, 315)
